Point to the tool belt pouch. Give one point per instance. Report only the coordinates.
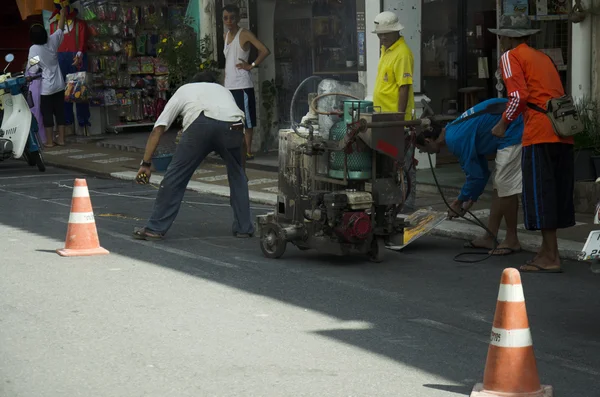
(563, 115)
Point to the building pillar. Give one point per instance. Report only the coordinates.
(581, 63)
(372, 8)
(595, 61)
(208, 23)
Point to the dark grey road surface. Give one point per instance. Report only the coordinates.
(204, 314)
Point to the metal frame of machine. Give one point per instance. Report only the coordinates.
(341, 216)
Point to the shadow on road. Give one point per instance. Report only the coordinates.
(418, 308)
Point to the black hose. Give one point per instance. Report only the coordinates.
(476, 222)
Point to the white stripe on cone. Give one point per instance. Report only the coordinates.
(81, 217)
(511, 293)
(511, 338)
(81, 191)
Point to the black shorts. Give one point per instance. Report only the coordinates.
(548, 186)
(246, 101)
(53, 106)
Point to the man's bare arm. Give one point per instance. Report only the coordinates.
(263, 51)
(62, 19)
(152, 143)
(403, 98)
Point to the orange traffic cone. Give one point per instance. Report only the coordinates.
(82, 236)
(511, 369)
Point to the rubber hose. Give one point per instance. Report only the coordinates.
(296, 95)
(314, 108)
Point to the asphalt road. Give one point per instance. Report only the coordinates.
(205, 314)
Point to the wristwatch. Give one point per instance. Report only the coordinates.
(145, 164)
(253, 65)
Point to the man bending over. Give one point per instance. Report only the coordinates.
(211, 122)
(470, 139)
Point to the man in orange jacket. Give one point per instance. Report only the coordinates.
(531, 79)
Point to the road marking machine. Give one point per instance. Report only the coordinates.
(344, 178)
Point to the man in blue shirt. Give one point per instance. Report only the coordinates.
(470, 139)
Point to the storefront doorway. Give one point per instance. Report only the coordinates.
(459, 55)
(313, 37)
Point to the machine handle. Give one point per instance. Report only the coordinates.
(387, 124)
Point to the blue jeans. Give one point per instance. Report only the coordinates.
(201, 138)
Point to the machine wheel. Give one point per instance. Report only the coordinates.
(377, 250)
(272, 243)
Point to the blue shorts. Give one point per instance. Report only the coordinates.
(246, 101)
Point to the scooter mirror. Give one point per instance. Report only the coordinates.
(9, 58)
(34, 61)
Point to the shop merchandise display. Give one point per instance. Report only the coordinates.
(125, 75)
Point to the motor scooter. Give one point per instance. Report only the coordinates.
(19, 129)
(591, 249)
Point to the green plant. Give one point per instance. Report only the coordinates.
(589, 110)
(183, 53)
(268, 94)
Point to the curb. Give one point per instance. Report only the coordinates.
(531, 243)
(449, 229)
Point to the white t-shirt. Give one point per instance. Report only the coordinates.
(192, 99)
(52, 78)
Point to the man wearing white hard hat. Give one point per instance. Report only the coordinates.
(393, 90)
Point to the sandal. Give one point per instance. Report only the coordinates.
(141, 233)
(540, 269)
(504, 251)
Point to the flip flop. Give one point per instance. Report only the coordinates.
(504, 251)
(540, 269)
(140, 233)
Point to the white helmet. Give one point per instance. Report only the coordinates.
(387, 22)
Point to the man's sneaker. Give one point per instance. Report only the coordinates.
(242, 235)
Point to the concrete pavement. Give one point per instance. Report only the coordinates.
(110, 159)
(202, 313)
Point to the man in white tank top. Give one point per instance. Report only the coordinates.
(238, 78)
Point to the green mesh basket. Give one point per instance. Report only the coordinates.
(359, 163)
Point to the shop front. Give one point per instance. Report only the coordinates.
(315, 38)
(324, 38)
(460, 56)
(130, 51)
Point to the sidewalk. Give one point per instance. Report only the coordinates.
(119, 157)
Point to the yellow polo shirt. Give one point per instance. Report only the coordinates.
(395, 69)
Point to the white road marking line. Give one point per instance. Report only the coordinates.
(87, 156)
(274, 189)
(213, 178)
(33, 176)
(63, 151)
(113, 160)
(477, 337)
(34, 198)
(170, 250)
(128, 195)
(203, 171)
(262, 181)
